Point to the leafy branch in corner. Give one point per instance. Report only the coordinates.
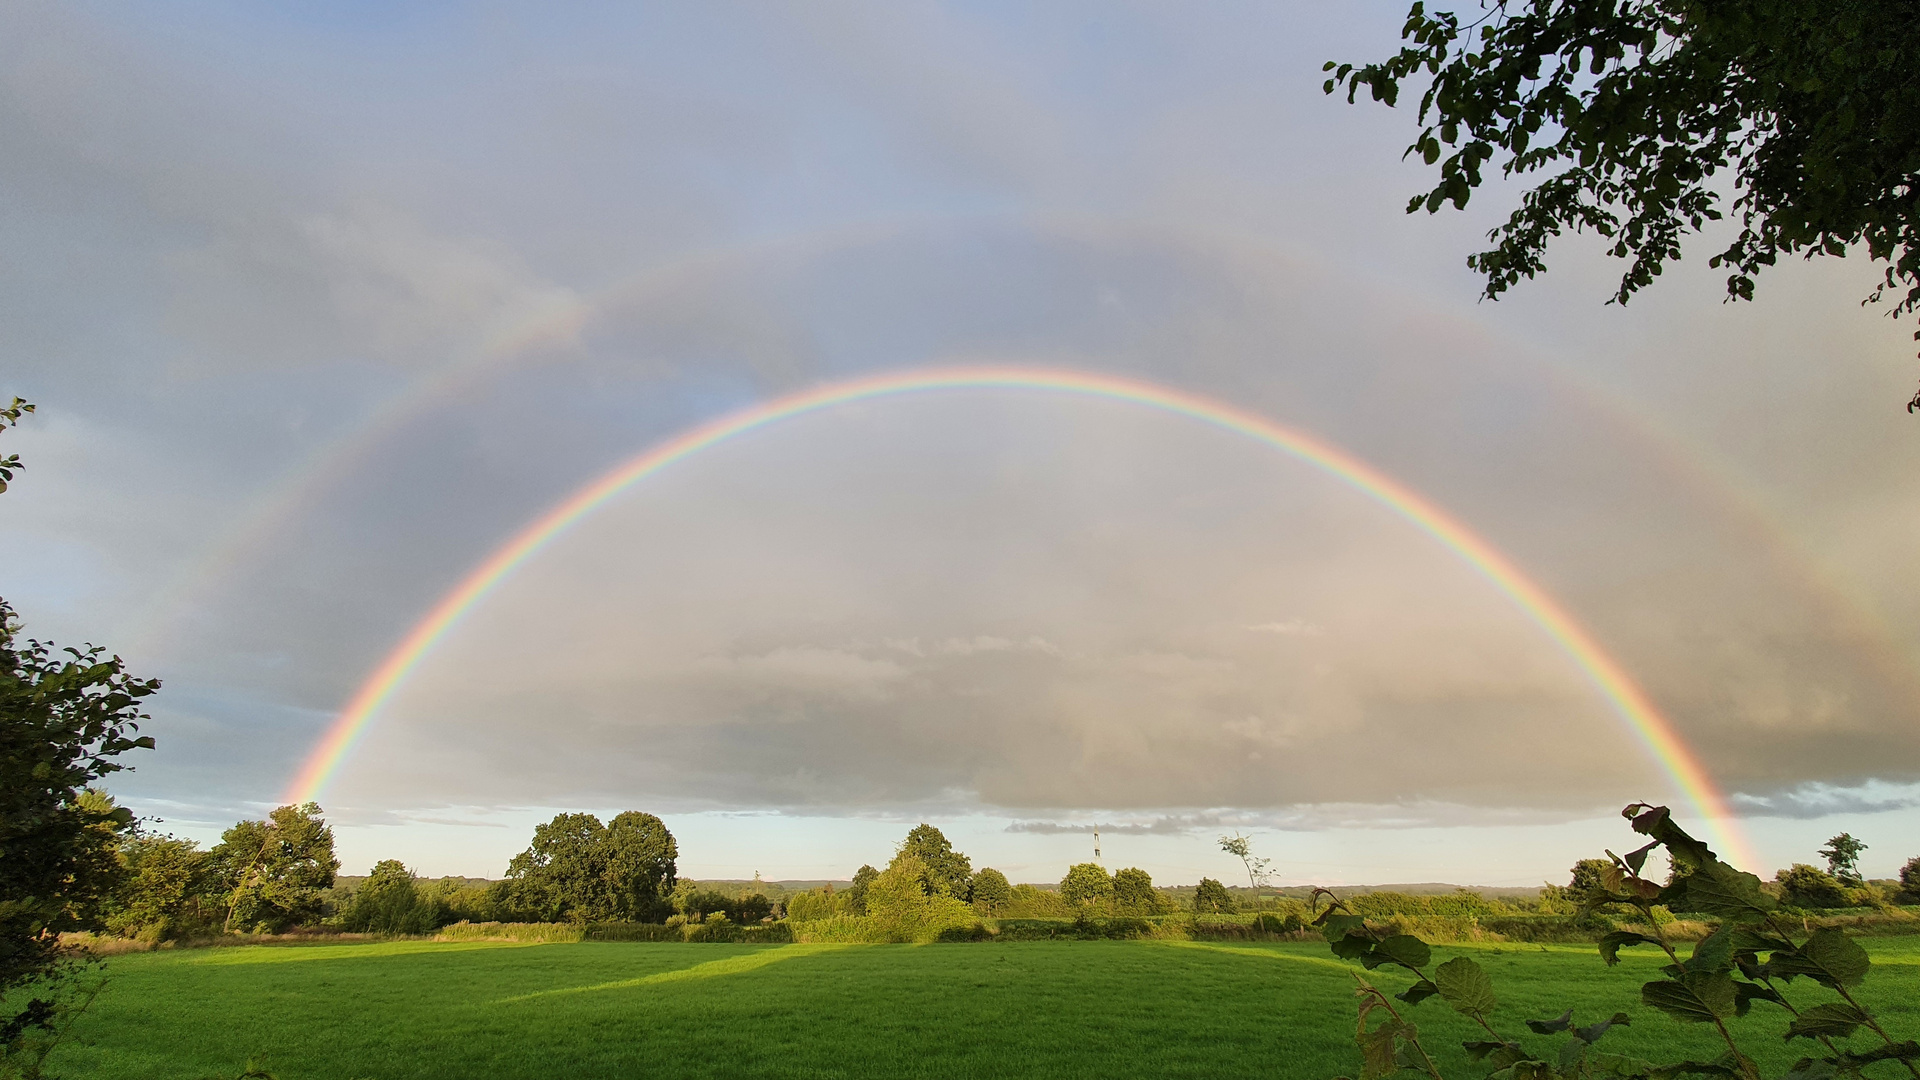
(1746, 959)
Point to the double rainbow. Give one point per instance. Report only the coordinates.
(1628, 701)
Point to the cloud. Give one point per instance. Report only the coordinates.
(1299, 627)
(1807, 801)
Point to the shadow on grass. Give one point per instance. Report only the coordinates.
(732, 965)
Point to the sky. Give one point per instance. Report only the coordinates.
(323, 304)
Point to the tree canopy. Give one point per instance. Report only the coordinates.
(1639, 116)
(580, 870)
(275, 871)
(947, 870)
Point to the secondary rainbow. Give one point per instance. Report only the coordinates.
(1628, 701)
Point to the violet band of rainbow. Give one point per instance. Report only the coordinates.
(1629, 703)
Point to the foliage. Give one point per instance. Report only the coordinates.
(391, 901)
(1719, 982)
(1843, 859)
(1632, 109)
(813, 904)
(577, 869)
(275, 871)
(901, 909)
(10, 416)
(1241, 847)
(65, 717)
(24, 1048)
(989, 891)
(1086, 884)
(1134, 894)
(1910, 880)
(1212, 898)
(1033, 902)
(168, 890)
(1804, 886)
(948, 871)
(857, 891)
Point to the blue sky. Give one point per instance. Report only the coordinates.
(321, 303)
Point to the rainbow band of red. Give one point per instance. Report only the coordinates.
(1628, 701)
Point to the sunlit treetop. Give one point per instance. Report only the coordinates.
(1631, 111)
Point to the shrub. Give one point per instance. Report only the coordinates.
(1032, 902)
(1134, 894)
(1212, 898)
(813, 904)
(390, 902)
(167, 891)
(1806, 886)
(857, 892)
(499, 931)
(900, 909)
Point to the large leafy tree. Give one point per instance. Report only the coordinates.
(276, 871)
(66, 715)
(580, 870)
(640, 855)
(1640, 119)
(948, 871)
(1843, 858)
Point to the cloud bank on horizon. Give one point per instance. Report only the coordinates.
(321, 305)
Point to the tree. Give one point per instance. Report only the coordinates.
(1843, 859)
(1806, 886)
(989, 891)
(857, 891)
(640, 855)
(562, 874)
(1630, 111)
(1910, 880)
(1133, 892)
(275, 871)
(390, 902)
(1086, 884)
(1212, 898)
(902, 909)
(1242, 847)
(947, 869)
(1585, 879)
(167, 890)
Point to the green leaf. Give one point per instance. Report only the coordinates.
(1466, 987)
(1719, 891)
(1746, 993)
(1713, 952)
(1418, 992)
(1900, 1051)
(1602, 1064)
(1406, 950)
(1611, 945)
(1480, 1049)
(1592, 1032)
(1551, 1027)
(1829, 957)
(1335, 927)
(1835, 1020)
(1694, 998)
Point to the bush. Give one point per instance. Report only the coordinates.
(1212, 898)
(527, 932)
(1805, 886)
(1134, 894)
(900, 909)
(166, 892)
(814, 904)
(1032, 902)
(1086, 883)
(390, 902)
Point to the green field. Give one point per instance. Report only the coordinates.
(1106, 1009)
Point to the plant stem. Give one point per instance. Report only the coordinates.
(1747, 1066)
(1381, 997)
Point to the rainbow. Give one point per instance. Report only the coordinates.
(1627, 700)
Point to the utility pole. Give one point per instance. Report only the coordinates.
(1096, 844)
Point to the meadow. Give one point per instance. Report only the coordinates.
(412, 1010)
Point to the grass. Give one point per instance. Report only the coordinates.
(410, 1010)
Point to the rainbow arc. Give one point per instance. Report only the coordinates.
(1627, 700)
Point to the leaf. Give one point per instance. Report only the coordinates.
(1694, 998)
(1611, 945)
(1354, 947)
(1746, 993)
(1418, 992)
(1551, 1027)
(1592, 1032)
(1829, 957)
(1376, 1052)
(1900, 1051)
(1405, 950)
(1480, 1049)
(1713, 952)
(1602, 1064)
(1835, 1020)
(1466, 987)
(1336, 927)
(1719, 891)
(1657, 822)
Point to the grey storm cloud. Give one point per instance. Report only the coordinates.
(316, 327)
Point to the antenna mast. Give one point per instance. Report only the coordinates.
(1096, 843)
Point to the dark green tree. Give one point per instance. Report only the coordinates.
(989, 891)
(857, 891)
(1212, 898)
(390, 902)
(1639, 117)
(948, 870)
(563, 874)
(1133, 892)
(1086, 884)
(276, 872)
(1843, 859)
(1910, 880)
(66, 716)
(1585, 879)
(639, 860)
